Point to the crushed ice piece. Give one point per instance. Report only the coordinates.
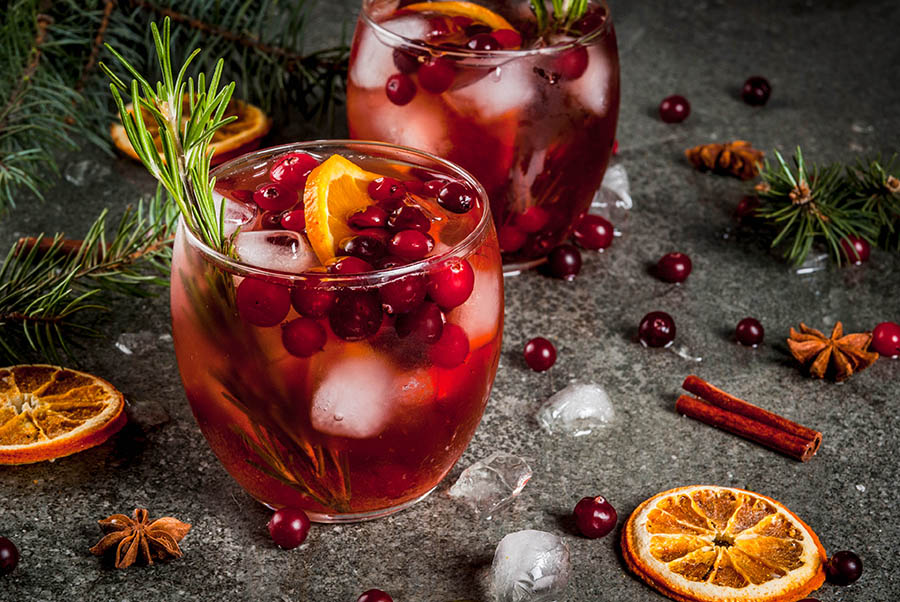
(577, 410)
(352, 400)
(861, 488)
(684, 353)
(147, 414)
(282, 250)
(814, 262)
(237, 214)
(376, 55)
(593, 87)
(136, 343)
(492, 483)
(615, 190)
(530, 566)
(510, 86)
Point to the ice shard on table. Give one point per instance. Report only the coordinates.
(492, 483)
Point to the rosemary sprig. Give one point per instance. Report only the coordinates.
(564, 15)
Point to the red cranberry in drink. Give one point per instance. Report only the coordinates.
(356, 315)
(674, 267)
(9, 556)
(388, 262)
(657, 329)
(572, 63)
(400, 89)
(532, 219)
(408, 217)
(844, 568)
(289, 527)
(414, 186)
(508, 38)
(402, 295)
(483, 41)
(275, 197)
(433, 187)
(511, 238)
(855, 249)
(292, 169)
(749, 332)
(461, 21)
(540, 354)
(406, 61)
(593, 19)
(425, 322)
(452, 348)
(384, 188)
(886, 339)
(564, 262)
(367, 248)
(437, 27)
(595, 517)
(674, 109)
(262, 303)
(436, 75)
(372, 216)
(270, 220)
(452, 284)
(374, 595)
(312, 300)
(456, 198)
(476, 29)
(756, 91)
(410, 244)
(615, 148)
(348, 265)
(294, 220)
(303, 337)
(593, 232)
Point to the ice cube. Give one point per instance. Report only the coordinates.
(353, 399)
(136, 343)
(492, 483)
(577, 410)
(509, 86)
(482, 312)
(530, 566)
(421, 124)
(615, 192)
(237, 214)
(282, 250)
(374, 61)
(592, 89)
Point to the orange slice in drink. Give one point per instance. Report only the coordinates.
(232, 140)
(476, 12)
(705, 543)
(48, 412)
(335, 190)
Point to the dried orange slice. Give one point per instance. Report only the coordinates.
(474, 11)
(335, 190)
(705, 543)
(232, 140)
(48, 412)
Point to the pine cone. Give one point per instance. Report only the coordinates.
(737, 158)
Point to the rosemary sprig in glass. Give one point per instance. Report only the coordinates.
(563, 17)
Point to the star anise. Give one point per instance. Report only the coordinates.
(736, 158)
(138, 538)
(839, 356)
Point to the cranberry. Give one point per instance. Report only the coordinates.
(384, 188)
(311, 300)
(288, 527)
(452, 284)
(511, 238)
(270, 220)
(483, 41)
(746, 208)
(406, 61)
(410, 244)
(615, 147)
(400, 89)
(749, 332)
(508, 38)
(844, 568)
(855, 249)
(414, 186)
(402, 295)
(9, 556)
(408, 217)
(461, 21)
(292, 169)
(425, 322)
(294, 220)
(476, 29)
(388, 262)
(303, 337)
(595, 517)
(591, 21)
(564, 262)
(367, 248)
(756, 90)
(452, 348)
(593, 232)
(374, 595)
(532, 219)
(456, 198)
(572, 63)
(436, 75)
(886, 339)
(372, 216)
(274, 197)
(540, 354)
(349, 265)
(433, 187)
(356, 315)
(437, 27)
(674, 109)
(657, 329)
(674, 267)
(262, 303)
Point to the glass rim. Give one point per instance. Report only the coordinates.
(488, 56)
(460, 249)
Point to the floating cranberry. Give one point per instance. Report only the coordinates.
(356, 315)
(414, 186)
(349, 265)
(540, 354)
(270, 220)
(9, 556)
(367, 248)
(756, 91)
(508, 38)
(456, 198)
(433, 187)
(657, 329)
(452, 284)
(855, 249)
(262, 303)
(674, 267)
(436, 75)
(403, 295)
(483, 41)
(425, 322)
(374, 595)
(303, 337)
(410, 244)
(572, 63)
(511, 238)
(405, 60)
(749, 332)
(437, 27)
(564, 262)
(400, 89)
(372, 216)
(593, 232)
(289, 527)
(292, 169)
(591, 21)
(274, 197)
(476, 29)
(886, 339)
(294, 220)
(595, 516)
(452, 348)
(674, 109)
(311, 300)
(844, 568)
(408, 217)
(532, 219)
(383, 188)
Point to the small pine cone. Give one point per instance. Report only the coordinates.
(737, 158)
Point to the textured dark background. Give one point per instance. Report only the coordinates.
(833, 68)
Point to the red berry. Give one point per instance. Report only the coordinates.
(615, 148)
(270, 220)
(400, 89)
(746, 208)
(436, 75)
(414, 186)
(425, 322)
(674, 109)
(367, 248)
(292, 169)
(508, 38)
(593, 232)
(749, 332)
(564, 262)
(312, 300)
(433, 187)
(374, 595)
(356, 315)
(410, 244)
(372, 216)
(452, 348)
(540, 354)
(532, 219)
(456, 198)
(303, 337)
(674, 267)
(294, 220)
(657, 329)
(844, 568)
(402, 295)
(756, 91)
(262, 303)
(349, 265)
(289, 527)
(384, 188)
(274, 197)
(408, 217)
(595, 517)
(511, 238)
(484, 42)
(9, 556)
(886, 339)
(452, 284)
(572, 63)
(406, 61)
(855, 249)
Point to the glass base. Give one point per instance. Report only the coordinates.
(517, 267)
(318, 517)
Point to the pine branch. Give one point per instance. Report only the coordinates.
(875, 188)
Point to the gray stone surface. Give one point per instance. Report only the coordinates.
(833, 67)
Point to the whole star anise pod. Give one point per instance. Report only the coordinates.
(138, 538)
(839, 355)
(736, 158)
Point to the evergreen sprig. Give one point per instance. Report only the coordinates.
(561, 17)
(875, 188)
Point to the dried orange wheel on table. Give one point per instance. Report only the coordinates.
(232, 140)
(707, 543)
(48, 412)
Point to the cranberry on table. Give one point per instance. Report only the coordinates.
(374, 595)
(400, 89)
(746, 208)
(595, 516)
(303, 337)
(855, 249)
(452, 284)
(886, 339)
(749, 332)
(436, 75)
(844, 568)
(452, 348)
(292, 169)
(657, 329)
(674, 267)
(262, 303)
(540, 354)
(9, 556)
(756, 91)
(593, 232)
(288, 527)
(564, 262)
(674, 109)
(275, 197)
(456, 198)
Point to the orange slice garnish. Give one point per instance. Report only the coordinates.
(48, 412)
(705, 543)
(335, 190)
(463, 9)
(232, 140)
